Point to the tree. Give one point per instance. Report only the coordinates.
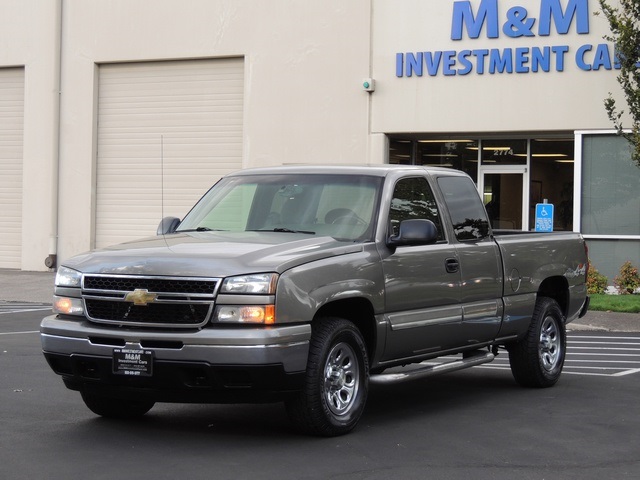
(624, 22)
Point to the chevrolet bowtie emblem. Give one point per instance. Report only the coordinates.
(140, 296)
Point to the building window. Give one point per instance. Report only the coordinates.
(504, 152)
(551, 179)
(514, 173)
(461, 154)
(610, 203)
(401, 152)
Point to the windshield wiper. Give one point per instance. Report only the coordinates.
(201, 229)
(283, 230)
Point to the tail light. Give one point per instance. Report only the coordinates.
(586, 253)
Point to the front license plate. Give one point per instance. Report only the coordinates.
(132, 362)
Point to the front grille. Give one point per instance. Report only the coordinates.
(158, 285)
(157, 313)
(131, 300)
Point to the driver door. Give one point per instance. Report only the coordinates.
(422, 283)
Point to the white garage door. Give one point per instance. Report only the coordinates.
(172, 127)
(11, 129)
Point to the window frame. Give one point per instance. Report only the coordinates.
(440, 225)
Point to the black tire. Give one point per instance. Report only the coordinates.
(537, 360)
(337, 380)
(116, 407)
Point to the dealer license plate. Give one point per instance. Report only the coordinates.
(132, 362)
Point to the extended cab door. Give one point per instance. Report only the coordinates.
(479, 256)
(422, 282)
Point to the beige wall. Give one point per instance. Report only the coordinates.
(542, 101)
(29, 38)
(304, 101)
(304, 65)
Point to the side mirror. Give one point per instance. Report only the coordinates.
(167, 225)
(414, 232)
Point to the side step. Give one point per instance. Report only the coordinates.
(467, 361)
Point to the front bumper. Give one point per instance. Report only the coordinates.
(208, 365)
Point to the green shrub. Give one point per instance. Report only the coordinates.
(629, 280)
(596, 282)
(615, 303)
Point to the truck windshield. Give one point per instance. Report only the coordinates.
(340, 206)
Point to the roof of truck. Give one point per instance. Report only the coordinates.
(379, 170)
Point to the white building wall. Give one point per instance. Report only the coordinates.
(304, 62)
(565, 100)
(29, 38)
(304, 102)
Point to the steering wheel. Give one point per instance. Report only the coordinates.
(349, 219)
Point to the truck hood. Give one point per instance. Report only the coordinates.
(211, 254)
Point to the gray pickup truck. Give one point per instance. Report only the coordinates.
(305, 284)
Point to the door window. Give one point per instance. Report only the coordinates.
(468, 217)
(413, 199)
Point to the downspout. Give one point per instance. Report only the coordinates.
(51, 260)
(377, 143)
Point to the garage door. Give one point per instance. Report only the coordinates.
(166, 132)
(11, 128)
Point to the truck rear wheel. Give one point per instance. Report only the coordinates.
(537, 360)
(116, 407)
(337, 377)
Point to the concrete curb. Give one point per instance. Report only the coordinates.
(607, 322)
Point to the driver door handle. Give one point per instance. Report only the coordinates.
(452, 265)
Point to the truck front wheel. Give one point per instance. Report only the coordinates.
(116, 407)
(537, 360)
(336, 386)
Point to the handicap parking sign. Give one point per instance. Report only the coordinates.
(544, 217)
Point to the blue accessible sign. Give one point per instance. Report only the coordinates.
(544, 217)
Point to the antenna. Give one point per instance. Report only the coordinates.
(162, 227)
(162, 176)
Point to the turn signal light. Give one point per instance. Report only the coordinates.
(264, 314)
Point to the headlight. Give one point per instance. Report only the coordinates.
(259, 284)
(66, 277)
(263, 314)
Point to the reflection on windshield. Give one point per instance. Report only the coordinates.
(341, 206)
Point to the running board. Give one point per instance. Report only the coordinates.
(429, 370)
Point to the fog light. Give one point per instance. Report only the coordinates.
(68, 306)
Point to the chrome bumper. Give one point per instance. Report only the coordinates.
(285, 345)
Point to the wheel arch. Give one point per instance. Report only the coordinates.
(357, 310)
(556, 288)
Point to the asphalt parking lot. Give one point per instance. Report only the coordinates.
(471, 424)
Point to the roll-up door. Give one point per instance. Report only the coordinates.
(11, 134)
(167, 131)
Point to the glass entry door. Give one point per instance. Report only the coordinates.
(504, 194)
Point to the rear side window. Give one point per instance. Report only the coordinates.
(468, 215)
(413, 199)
